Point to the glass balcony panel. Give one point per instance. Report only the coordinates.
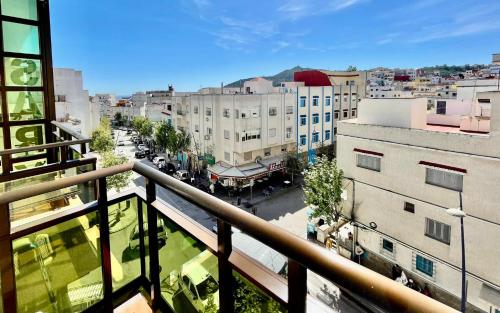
(45, 204)
(20, 38)
(58, 269)
(124, 242)
(249, 298)
(189, 272)
(20, 8)
(146, 221)
(25, 105)
(27, 136)
(23, 72)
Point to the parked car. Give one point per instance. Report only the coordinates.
(140, 154)
(158, 159)
(182, 175)
(152, 156)
(134, 237)
(197, 283)
(129, 132)
(141, 146)
(167, 168)
(120, 143)
(146, 150)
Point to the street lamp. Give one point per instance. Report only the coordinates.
(458, 212)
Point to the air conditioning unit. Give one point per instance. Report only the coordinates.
(207, 137)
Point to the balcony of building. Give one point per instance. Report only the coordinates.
(131, 252)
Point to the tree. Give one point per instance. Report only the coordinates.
(146, 128)
(183, 141)
(161, 134)
(137, 122)
(323, 190)
(247, 298)
(118, 118)
(101, 139)
(117, 181)
(351, 68)
(293, 163)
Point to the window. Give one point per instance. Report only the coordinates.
(328, 116)
(195, 110)
(449, 180)
(437, 230)
(209, 112)
(346, 113)
(236, 114)
(237, 137)
(196, 128)
(303, 140)
(284, 148)
(226, 113)
(387, 246)
(288, 132)
(267, 152)
(273, 111)
(315, 137)
(315, 118)
(60, 98)
(336, 114)
(409, 207)
(353, 113)
(226, 134)
(315, 101)
(247, 156)
(289, 109)
(209, 131)
(303, 120)
(441, 107)
(227, 156)
(368, 162)
(272, 132)
(20, 38)
(302, 102)
(328, 101)
(327, 134)
(424, 265)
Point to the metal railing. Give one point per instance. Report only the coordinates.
(302, 255)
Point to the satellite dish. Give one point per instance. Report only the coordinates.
(373, 225)
(358, 250)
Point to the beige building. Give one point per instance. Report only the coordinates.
(403, 174)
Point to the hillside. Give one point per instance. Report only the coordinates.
(284, 76)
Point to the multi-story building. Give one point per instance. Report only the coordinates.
(495, 59)
(105, 102)
(404, 174)
(72, 102)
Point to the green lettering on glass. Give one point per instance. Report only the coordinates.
(29, 136)
(23, 76)
(20, 109)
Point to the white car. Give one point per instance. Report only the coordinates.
(181, 175)
(158, 160)
(141, 146)
(134, 242)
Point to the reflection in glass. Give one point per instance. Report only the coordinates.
(58, 269)
(189, 274)
(25, 105)
(125, 242)
(20, 38)
(20, 8)
(23, 72)
(249, 298)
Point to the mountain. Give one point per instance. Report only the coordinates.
(284, 76)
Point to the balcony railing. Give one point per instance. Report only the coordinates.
(95, 256)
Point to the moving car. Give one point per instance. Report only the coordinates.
(197, 283)
(134, 242)
(181, 175)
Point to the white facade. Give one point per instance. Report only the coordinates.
(258, 85)
(468, 89)
(395, 172)
(72, 101)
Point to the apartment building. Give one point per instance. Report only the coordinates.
(105, 102)
(73, 105)
(402, 176)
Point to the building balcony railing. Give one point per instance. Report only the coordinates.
(95, 256)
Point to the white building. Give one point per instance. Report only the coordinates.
(104, 102)
(403, 174)
(258, 85)
(468, 89)
(72, 101)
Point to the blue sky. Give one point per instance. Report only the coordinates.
(123, 46)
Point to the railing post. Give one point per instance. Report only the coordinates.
(225, 271)
(142, 248)
(102, 200)
(6, 262)
(154, 262)
(297, 287)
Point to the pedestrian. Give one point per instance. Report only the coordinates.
(212, 188)
(192, 180)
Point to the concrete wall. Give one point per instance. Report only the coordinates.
(405, 113)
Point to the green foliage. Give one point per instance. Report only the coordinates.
(351, 68)
(183, 141)
(323, 189)
(161, 133)
(143, 126)
(118, 118)
(247, 298)
(211, 307)
(101, 139)
(294, 164)
(118, 181)
(449, 70)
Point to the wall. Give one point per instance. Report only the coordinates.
(406, 113)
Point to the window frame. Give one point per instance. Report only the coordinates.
(437, 227)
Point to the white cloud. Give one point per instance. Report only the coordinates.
(297, 9)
